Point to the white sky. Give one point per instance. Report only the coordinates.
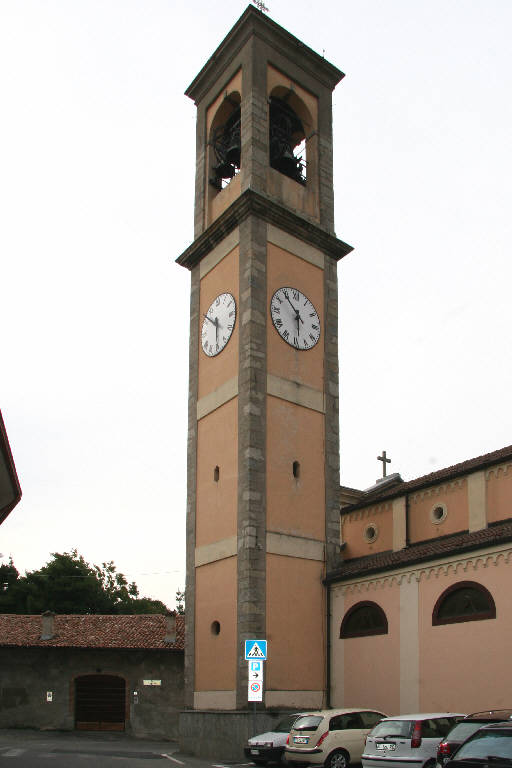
(97, 153)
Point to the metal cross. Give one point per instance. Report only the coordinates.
(384, 462)
(260, 5)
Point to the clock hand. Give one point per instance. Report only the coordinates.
(297, 315)
(217, 331)
(213, 322)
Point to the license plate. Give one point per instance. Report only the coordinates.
(255, 751)
(386, 747)
(300, 739)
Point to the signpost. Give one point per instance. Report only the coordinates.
(255, 655)
(255, 681)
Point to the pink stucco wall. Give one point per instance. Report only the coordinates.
(499, 493)
(454, 496)
(372, 664)
(354, 525)
(464, 667)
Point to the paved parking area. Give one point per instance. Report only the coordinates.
(37, 749)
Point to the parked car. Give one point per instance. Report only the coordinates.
(331, 737)
(466, 728)
(408, 740)
(491, 745)
(269, 747)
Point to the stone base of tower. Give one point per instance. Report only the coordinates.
(222, 735)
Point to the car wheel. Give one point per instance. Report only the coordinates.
(337, 759)
(429, 764)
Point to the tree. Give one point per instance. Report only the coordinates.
(8, 580)
(69, 584)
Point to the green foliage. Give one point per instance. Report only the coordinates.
(180, 602)
(68, 584)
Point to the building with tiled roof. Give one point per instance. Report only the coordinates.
(419, 603)
(92, 672)
(144, 631)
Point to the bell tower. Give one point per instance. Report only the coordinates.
(263, 442)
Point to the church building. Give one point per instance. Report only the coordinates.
(422, 559)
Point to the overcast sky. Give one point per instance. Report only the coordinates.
(97, 154)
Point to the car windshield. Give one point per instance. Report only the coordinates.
(386, 728)
(285, 725)
(486, 744)
(463, 731)
(307, 723)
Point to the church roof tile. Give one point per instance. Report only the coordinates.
(434, 478)
(499, 533)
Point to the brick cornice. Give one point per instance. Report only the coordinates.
(252, 203)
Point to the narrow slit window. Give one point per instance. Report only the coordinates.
(296, 469)
(216, 474)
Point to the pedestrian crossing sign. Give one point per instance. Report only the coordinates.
(256, 649)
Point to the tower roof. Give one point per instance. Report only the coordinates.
(255, 23)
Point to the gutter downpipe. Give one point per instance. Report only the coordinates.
(328, 647)
(406, 519)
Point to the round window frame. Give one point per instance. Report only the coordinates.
(438, 520)
(371, 539)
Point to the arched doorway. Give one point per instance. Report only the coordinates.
(100, 703)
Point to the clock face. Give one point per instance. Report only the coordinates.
(218, 324)
(295, 318)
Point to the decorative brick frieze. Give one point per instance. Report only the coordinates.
(363, 514)
(438, 490)
(501, 469)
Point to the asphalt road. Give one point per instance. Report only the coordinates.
(35, 749)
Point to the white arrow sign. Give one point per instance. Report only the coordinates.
(255, 671)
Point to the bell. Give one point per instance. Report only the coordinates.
(233, 153)
(224, 170)
(287, 164)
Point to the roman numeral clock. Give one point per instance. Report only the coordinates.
(263, 443)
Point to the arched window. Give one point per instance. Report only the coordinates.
(364, 619)
(464, 601)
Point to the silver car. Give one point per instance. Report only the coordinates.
(269, 747)
(407, 740)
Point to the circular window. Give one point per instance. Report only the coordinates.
(371, 532)
(438, 513)
(215, 627)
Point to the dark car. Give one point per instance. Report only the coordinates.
(489, 747)
(463, 730)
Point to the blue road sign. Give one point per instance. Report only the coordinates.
(256, 649)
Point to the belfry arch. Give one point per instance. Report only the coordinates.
(225, 142)
(290, 125)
